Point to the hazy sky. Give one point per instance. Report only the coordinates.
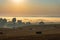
(30, 8)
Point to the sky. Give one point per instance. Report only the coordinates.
(30, 8)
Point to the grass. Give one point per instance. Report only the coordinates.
(35, 37)
(25, 33)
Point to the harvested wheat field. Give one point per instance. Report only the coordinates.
(17, 34)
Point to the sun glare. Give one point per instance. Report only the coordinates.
(17, 1)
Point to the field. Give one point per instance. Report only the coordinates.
(34, 32)
(35, 37)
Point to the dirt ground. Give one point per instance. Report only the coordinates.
(34, 37)
(29, 33)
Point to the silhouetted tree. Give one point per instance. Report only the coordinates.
(3, 22)
(23, 22)
(28, 23)
(19, 21)
(41, 23)
(14, 20)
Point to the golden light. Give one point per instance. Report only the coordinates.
(17, 1)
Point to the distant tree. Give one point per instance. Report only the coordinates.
(41, 23)
(14, 20)
(14, 23)
(3, 22)
(28, 23)
(19, 21)
(23, 22)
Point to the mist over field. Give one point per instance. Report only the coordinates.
(35, 19)
(29, 19)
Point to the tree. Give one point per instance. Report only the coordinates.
(19, 21)
(42, 23)
(14, 20)
(3, 22)
(28, 23)
(14, 23)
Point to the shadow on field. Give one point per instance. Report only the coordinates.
(35, 37)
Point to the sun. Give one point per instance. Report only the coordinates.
(17, 1)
